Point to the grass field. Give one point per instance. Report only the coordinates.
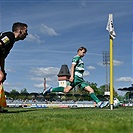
(85, 120)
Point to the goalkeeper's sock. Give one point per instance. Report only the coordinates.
(57, 89)
(94, 97)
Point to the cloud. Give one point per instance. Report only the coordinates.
(37, 79)
(45, 72)
(91, 67)
(41, 85)
(33, 38)
(86, 73)
(117, 63)
(124, 79)
(50, 73)
(12, 86)
(83, 4)
(100, 63)
(48, 30)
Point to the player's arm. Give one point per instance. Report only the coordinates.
(2, 64)
(72, 72)
(5, 39)
(1, 42)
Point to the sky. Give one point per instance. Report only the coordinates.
(56, 29)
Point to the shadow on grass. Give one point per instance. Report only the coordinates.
(20, 111)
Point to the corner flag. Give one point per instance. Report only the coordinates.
(112, 34)
(110, 27)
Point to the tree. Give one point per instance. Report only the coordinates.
(127, 96)
(24, 93)
(102, 90)
(14, 94)
(94, 87)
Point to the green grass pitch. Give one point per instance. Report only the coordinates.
(59, 120)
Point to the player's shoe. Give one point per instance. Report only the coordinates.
(48, 90)
(102, 104)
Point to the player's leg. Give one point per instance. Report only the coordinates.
(61, 89)
(92, 94)
(1, 75)
(85, 85)
(67, 89)
(100, 104)
(58, 89)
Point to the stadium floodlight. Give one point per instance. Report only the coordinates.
(106, 63)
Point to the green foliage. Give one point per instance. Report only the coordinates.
(86, 120)
(121, 98)
(101, 90)
(94, 87)
(24, 91)
(14, 94)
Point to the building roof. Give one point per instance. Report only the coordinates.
(64, 71)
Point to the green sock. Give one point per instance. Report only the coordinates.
(94, 97)
(57, 89)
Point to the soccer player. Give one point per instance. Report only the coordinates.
(77, 70)
(7, 40)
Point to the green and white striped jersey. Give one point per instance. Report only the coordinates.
(79, 68)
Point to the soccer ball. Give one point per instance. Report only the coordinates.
(116, 102)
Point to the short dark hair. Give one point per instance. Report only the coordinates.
(81, 48)
(18, 25)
